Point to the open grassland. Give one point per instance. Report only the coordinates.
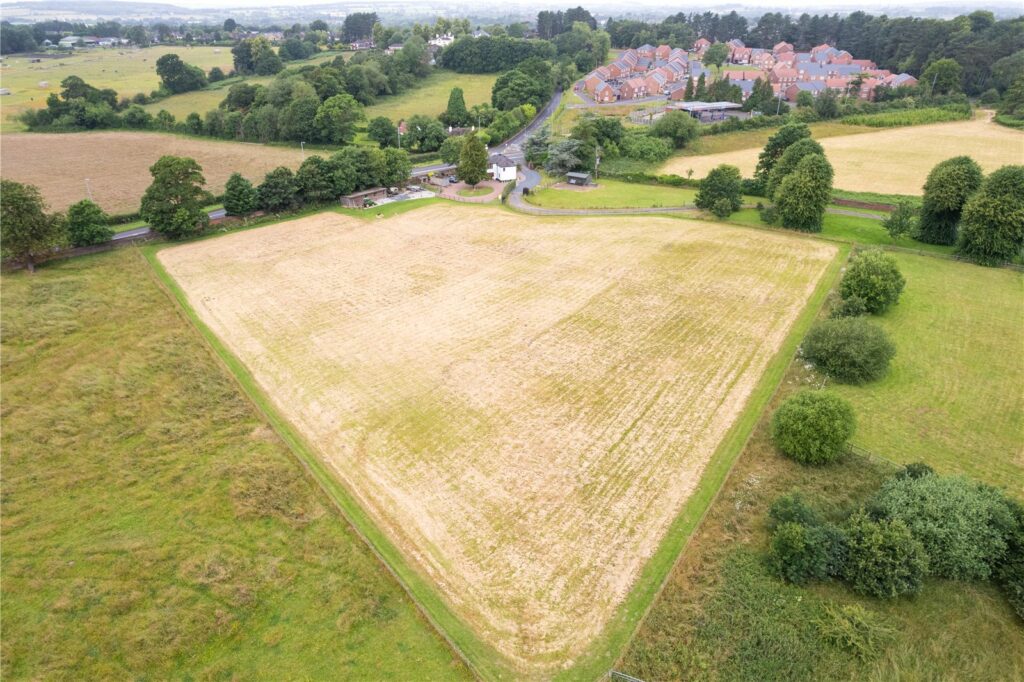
(723, 615)
(523, 405)
(953, 397)
(891, 161)
(612, 194)
(201, 101)
(117, 163)
(430, 96)
(857, 229)
(127, 70)
(153, 524)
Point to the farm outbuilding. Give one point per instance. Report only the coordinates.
(578, 178)
(364, 198)
(708, 111)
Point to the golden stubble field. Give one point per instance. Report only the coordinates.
(522, 404)
(117, 163)
(891, 160)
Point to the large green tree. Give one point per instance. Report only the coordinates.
(875, 279)
(992, 225)
(177, 76)
(27, 231)
(239, 195)
(776, 147)
(788, 161)
(948, 187)
(803, 195)
(472, 161)
(716, 55)
(678, 127)
(721, 192)
(278, 191)
(173, 203)
(382, 131)
(456, 114)
(336, 118)
(88, 224)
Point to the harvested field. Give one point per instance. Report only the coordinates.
(522, 404)
(891, 161)
(117, 163)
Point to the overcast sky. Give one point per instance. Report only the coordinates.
(671, 6)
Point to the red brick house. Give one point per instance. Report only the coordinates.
(634, 88)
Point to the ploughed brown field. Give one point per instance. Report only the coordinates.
(117, 164)
(522, 404)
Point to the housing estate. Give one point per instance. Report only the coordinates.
(651, 70)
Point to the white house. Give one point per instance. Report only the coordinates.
(442, 41)
(503, 169)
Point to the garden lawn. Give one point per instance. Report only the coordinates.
(153, 524)
(953, 395)
(430, 96)
(613, 194)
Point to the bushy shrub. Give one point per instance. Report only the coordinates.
(1010, 571)
(802, 553)
(239, 195)
(883, 559)
(88, 224)
(962, 524)
(813, 427)
(792, 508)
(795, 554)
(850, 350)
(854, 306)
(645, 147)
(875, 278)
(915, 470)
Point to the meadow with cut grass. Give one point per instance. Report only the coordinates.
(953, 396)
(127, 70)
(523, 406)
(892, 160)
(430, 96)
(724, 614)
(153, 522)
(611, 194)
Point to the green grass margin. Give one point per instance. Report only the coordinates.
(480, 658)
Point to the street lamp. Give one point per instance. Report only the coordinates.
(302, 146)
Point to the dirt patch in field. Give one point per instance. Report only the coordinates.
(117, 164)
(523, 404)
(890, 161)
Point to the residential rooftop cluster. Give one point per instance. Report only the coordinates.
(648, 71)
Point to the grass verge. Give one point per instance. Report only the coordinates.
(152, 523)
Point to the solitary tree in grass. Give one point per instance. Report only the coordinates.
(87, 224)
(874, 278)
(27, 231)
(992, 226)
(472, 161)
(721, 192)
(813, 427)
(456, 114)
(802, 195)
(776, 147)
(948, 187)
(239, 195)
(173, 203)
(336, 118)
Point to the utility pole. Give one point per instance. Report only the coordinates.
(88, 189)
(302, 146)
